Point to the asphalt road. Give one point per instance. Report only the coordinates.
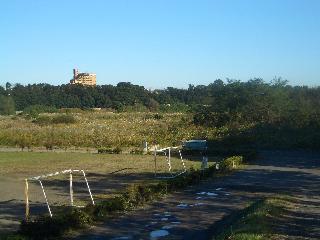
(196, 211)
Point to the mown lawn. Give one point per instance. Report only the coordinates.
(27, 164)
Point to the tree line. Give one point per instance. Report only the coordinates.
(214, 104)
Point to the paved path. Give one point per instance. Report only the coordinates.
(190, 214)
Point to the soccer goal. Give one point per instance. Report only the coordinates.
(167, 154)
(40, 180)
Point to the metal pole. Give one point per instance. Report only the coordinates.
(71, 190)
(45, 197)
(184, 166)
(84, 175)
(169, 159)
(26, 192)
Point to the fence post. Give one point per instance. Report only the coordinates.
(26, 192)
(71, 189)
(155, 161)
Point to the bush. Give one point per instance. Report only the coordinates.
(36, 109)
(70, 110)
(116, 150)
(132, 108)
(13, 237)
(65, 118)
(78, 218)
(106, 207)
(42, 120)
(211, 119)
(231, 162)
(174, 108)
(137, 151)
(157, 116)
(45, 226)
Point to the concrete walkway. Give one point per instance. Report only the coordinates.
(190, 214)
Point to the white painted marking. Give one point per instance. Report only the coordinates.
(182, 205)
(167, 227)
(158, 233)
(202, 193)
(219, 189)
(121, 238)
(164, 219)
(211, 194)
(207, 193)
(198, 198)
(199, 204)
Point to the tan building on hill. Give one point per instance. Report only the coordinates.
(83, 78)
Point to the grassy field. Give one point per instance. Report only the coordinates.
(108, 173)
(27, 164)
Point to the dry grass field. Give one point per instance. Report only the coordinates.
(100, 129)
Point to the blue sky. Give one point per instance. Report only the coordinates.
(160, 43)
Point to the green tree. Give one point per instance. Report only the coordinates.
(7, 106)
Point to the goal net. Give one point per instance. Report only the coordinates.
(168, 162)
(46, 193)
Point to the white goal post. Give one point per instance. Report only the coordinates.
(41, 177)
(167, 153)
